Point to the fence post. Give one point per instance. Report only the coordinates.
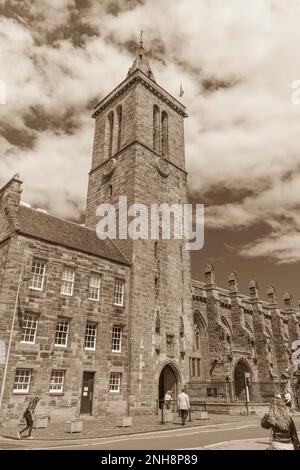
(162, 412)
(247, 377)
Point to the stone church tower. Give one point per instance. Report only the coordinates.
(139, 153)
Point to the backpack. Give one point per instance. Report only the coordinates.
(27, 413)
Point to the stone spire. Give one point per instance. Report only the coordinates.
(141, 61)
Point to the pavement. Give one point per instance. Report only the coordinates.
(107, 427)
(220, 432)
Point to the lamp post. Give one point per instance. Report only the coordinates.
(21, 279)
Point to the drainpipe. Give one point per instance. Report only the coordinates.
(128, 391)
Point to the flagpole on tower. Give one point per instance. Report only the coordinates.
(181, 91)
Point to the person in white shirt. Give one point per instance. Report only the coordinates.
(168, 400)
(183, 406)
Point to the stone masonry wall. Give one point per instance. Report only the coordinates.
(49, 305)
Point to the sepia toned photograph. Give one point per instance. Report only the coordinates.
(149, 229)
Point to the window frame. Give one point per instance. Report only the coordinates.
(57, 392)
(115, 339)
(61, 320)
(86, 348)
(27, 314)
(111, 384)
(35, 275)
(17, 391)
(116, 293)
(94, 287)
(63, 281)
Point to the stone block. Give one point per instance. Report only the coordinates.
(74, 426)
(124, 422)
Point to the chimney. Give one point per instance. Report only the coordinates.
(10, 197)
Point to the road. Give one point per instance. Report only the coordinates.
(244, 434)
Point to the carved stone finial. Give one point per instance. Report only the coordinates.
(271, 293)
(233, 282)
(209, 273)
(287, 298)
(253, 287)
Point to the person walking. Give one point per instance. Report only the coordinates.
(183, 406)
(168, 400)
(283, 430)
(28, 416)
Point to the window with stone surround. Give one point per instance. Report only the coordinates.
(119, 293)
(119, 115)
(90, 336)
(38, 271)
(94, 287)
(57, 382)
(164, 134)
(68, 277)
(22, 381)
(61, 333)
(110, 133)
(115, 382)
(156, 129)
(116, 341)
(29, 328)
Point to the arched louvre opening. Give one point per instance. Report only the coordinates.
(156, 129)
(110, 133)
(164, 134)
(119, 115)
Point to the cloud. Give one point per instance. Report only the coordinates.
(237, 62)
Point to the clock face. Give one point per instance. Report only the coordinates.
(110, 167)
(162, 167)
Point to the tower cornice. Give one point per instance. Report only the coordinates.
(139, 77)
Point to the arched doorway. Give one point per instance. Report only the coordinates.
(168, 380)
(241, 372)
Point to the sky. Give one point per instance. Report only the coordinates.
(237, 62)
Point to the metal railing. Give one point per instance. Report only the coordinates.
(231, 392)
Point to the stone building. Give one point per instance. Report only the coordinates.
(106, 327)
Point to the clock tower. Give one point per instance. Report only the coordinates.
(139, 153)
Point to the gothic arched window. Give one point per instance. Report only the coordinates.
(200, 332)
(110, 133)
(164, 134)
(197, 368)
(156, 130)
(119, 115)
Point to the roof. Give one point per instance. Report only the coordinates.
(53, 229)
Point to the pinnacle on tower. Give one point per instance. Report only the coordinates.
(141, 61)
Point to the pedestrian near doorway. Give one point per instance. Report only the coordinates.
(168, 400)
(283, 431)
(183, 406)
(28, 416)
